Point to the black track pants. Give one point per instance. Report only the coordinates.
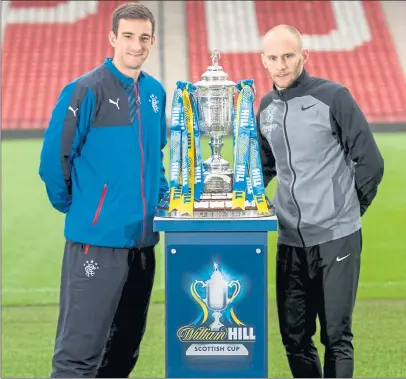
(104, 300)
(318, 281)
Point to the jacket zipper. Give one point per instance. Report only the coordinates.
(293, 171)
(98, 210)
(144, 220)
(100, 205)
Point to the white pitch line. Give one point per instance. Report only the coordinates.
(270, 285)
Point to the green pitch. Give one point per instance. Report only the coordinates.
(32, 247)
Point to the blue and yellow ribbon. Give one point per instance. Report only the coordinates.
(199, 182)
(188, 157)
(241, 154)
(186, 163)
(176, 127)
(257, 180)
(248, 179)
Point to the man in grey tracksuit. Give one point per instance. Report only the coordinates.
(316, 141)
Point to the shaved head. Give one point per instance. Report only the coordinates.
(283, 55)
(283, 32)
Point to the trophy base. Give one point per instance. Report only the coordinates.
(218, 205)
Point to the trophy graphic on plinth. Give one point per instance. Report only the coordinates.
(215, 107)
(217, 298)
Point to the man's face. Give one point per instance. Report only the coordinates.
(133, 43)
(284, 60)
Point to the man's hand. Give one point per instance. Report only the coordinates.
(164, 202)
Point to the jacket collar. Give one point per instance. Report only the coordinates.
(124, 79)
(294, 89)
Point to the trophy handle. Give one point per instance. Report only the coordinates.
(194, 289)
(237, 285)
(199, 300)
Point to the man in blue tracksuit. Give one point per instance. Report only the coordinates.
(102, 164)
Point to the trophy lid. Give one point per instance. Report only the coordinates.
(216, 275)
(214, 75)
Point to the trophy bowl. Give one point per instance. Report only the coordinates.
(215, 99)
(217, 296)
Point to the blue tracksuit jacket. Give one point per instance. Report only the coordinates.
(102, 160)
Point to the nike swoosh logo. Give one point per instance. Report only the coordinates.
(303, 108)
(340, 259)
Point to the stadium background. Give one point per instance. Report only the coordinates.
(45, 44)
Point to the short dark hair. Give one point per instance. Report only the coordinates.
(134, 11)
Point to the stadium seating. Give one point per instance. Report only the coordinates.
(43, 51)
(48, 43)
(363, 57)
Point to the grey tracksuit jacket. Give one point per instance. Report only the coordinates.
(317, 142)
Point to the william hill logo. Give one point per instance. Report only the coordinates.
(191, 333)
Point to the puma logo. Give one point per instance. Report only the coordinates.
(114, 102)
(73, 110)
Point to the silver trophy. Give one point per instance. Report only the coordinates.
(215, 97)
(214, 105)
(217, 298)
